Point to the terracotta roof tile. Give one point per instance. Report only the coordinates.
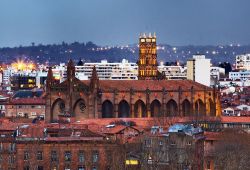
(235, 119)
(125, 85)
(28, 101)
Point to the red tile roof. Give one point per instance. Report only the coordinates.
(74, 139)
(114, 130)
(125, 85)
(7, 125)
(235, 119)
(28, 101)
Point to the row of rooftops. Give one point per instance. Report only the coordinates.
(236, 98)
(95, 129)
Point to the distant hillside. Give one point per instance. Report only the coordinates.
(90, 52)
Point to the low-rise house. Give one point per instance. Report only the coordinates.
(26, 103)
(3, 101)
(231, 111)
(181, 147)
(58, 146)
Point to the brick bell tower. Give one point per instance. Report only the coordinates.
(147, 63)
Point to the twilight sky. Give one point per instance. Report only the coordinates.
(119, 22)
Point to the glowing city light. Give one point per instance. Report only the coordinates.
(21, 65)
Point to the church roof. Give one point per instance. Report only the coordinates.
(125, 85)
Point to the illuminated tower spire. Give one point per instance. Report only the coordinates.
(147, 63)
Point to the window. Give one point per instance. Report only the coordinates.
(67, 156)
(161, 143)
(39, 167)
(26, 168)
(173, 143)
(148, 142)
(26, 115)
(12, 147)
(20, 114)
(53, 156)
(94, 168)
(81, 167)
(11, 159)
(81, 156)
(208, 164)
(39, 155)
(33, 113)
(1, 146)
(95, 156)
(26, 155)
(67, 167)
(54, 168)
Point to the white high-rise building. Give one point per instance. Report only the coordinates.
(173, 72)
(198, 69)
(108, 71)
(243, 62)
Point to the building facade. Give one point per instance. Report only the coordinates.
(58, 148)
(108, 71)
(243, 62)
(198, 69)
(240, 75)
(26, 103)
(127, 98)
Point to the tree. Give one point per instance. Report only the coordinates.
(232, 150)
(227, 66)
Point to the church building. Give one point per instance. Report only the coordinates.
(149, 96)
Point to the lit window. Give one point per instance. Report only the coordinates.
(142, 40)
